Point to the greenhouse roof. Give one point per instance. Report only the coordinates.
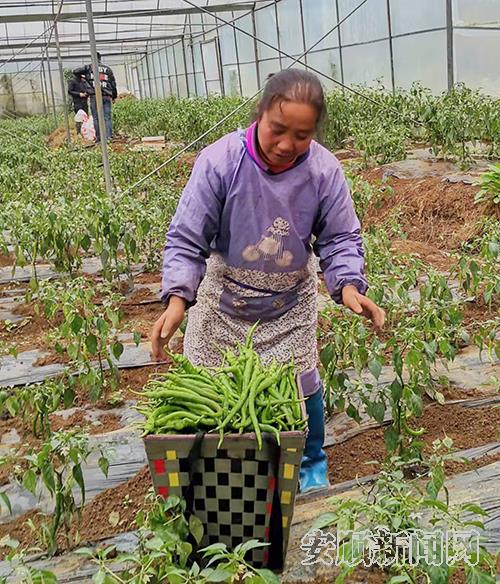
(121, 26)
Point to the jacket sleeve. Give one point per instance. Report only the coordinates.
(112, 82)
(72, 90)
(192, 230)
(338, 239)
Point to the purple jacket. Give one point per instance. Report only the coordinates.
(257, 220)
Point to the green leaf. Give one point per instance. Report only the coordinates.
(6, 501)
(76, 324)
(267, 576)
(353, 413)
(375, 367)
(29, 481)
(91, 344)
(43, 577)
(436, 504)
(102, 577)
(396, 391)
(117, 350)
(376, 410)
(176, 576)
(103, 463)
(196, 528)
(219, 575)
(69, 396)
(475, 575)
(436, 482)
(391, 438)
(399, 579)
(78, 476)
(137, 338)
(325, 520)
(48, 477)
(476, 509)
(327, 355)
(214, 548)
(251, 544)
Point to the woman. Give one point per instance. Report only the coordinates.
(240, 246)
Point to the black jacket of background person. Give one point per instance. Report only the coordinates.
(76, 86)
(106, 77)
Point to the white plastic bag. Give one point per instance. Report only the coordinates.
(88, 130)
(80, 116)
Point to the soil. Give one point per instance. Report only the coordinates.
(148, 278)
(6, 260)
(428, 253)
(58, 137)
(141, 295)
(97, 522)
(106, 423)
(130, 382)
(140, 317)
(433, 212)
(356, 456)
(27, 334)
(477, 312)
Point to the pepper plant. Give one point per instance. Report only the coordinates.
(58, 465)
(87, 320)
(167, 552)
(396, 510)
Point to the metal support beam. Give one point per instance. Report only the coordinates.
(449, 44)
(47, 16)
(43, 87)
(255, 50)
(148, 73)
(391, 48)
(98, 98)
(341, 60)
(139, 40)
(51, 85)
(63, 85)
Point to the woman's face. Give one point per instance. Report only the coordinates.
(285, 131)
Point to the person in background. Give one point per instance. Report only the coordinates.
(109, 94)
(79, 89)
(240, 247)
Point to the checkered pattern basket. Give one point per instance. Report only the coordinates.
(239, 492)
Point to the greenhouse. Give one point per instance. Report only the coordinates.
(249, 291)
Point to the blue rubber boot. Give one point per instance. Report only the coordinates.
(314, 466)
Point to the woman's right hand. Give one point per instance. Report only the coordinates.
(165, 327)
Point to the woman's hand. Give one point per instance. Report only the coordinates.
(165, 327)
(362, 305)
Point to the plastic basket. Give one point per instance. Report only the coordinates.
(237, 491)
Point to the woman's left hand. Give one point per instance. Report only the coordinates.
(362, 305)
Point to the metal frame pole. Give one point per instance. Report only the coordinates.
(148, 72)
(43, 89)
(256, 53)
(127, 81)
(237, 53)
(391, 48)
(98, 98)
(185, 67)
(63, 84)
(449, 44)
(51, 85)
(341, 60)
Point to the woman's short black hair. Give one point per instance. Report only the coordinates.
(295, 85)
